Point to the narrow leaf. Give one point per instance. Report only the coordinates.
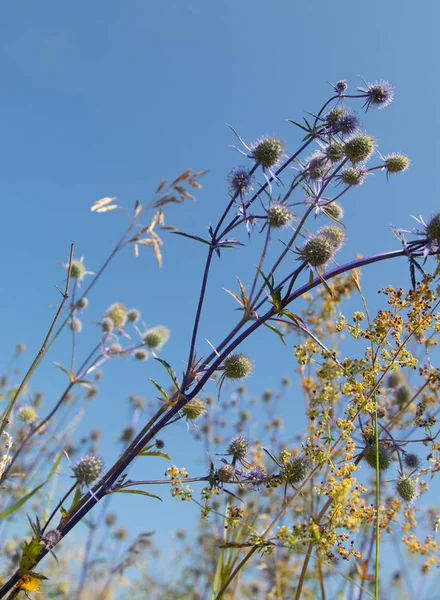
(137, 492)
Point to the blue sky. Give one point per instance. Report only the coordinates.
(106, 98)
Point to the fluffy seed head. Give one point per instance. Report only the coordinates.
(268, 152)
(107, 325)
(156, 337)
(295, 470)
(240, 180)
(433, 229)
(88, 469)
(412, 461)
(82, 304)
(133, 315)
(237, 366)
(354, 175)
(359, 148)
(238, 447)
(118, 314)
(194, 409)
(318, 251)
(27, 414)
(140, 354)
(395, 163)
(225, 473)
(407, 488)
(75, 325)
(384, 457)
(278, 216)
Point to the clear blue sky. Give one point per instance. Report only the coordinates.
(106, 98)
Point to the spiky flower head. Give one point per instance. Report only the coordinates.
(194, 409)
(403, 393)
(238, 447)
(77, 269)
(381, 411)
(396, 163)
(133, 315)
(412, 461)
(316, 166)
(342, 120)
(127, 434)
(88, 469)
(115, 349)
(354, 175)
(334, 210)
(82, 303)
(395, 379)
(295, 470)
(51, 538)
(27, 414)
(237, 366)
(335, 234)
(240, 180)
(118, 314)
(140, 354)
(225, 473)
(384, 457)
(317, 251)
(256, 477)
(267, 151)
(107, 325)
(333, 116)
(159, 444)
(334, 151)
(379, 94)
(359, 148)
(433, 229)
(407, 488)
(156, 337)
(279, 216)
(75, 325)
(341, 86)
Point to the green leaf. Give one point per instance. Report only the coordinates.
(298, 125)
(137, 492)
(146, 453)
(161, 390)
(169, 370)
(191, 237)
(275, 330)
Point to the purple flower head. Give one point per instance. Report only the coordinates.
(349, 123)
(240, 180)
(256, 478)
(379, 94)
(341, 86)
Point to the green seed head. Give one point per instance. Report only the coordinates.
(133, 315)
(433, 229)
(395, 379)
(194, 409)
(384, 457)
(75, 325)
(407, 488)
(403, 393)
(268, 151)
(279, 216)
(118, 314)
(335, 152)
(82, 304)
(395, 163)
(359, 148)
(77, 269)
(295, 470)
(335, 234)
(237, 366)
(335, 114)
(353, 176)
(238, 447)
(156, 337)
(317, 165)
(27, 414)
(225, 473)
(88, 469)
(127, 434)
(140, 354)
(107, 325)
(318, 251)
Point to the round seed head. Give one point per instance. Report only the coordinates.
(278, 216)
(334, 115)
(127, 434)
(335, 210)
(156, 337)
(51, 538)
(335, 152)
(395, 379)
(316, 166)
(359, 148)
(334, 234)
(194, 409)
(115, 349)
(238, 447)
(341, 86)
(407, 488)
(403, 393)
(27, 414)
(433, 229)
(75, 325)
(381, 411)
(77, 269)
(237, 366)
(295, 470)
(384, 457)
(107, 325)
(225, 473)
(118, 314)
(354, 175)
(140, 354)
(82, 304)
(318, 251)
(395, 163)
(88, 469)
(412, 461)
(133, 315)
(268, 152)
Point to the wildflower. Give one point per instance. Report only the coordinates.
(341, 120)
(359, 147)
(279, 216)
(317, 251)
(255, 478)
(194, 409)
(88, 469)
(140, 354)
(341, 86)
(412, 461)
(334, 210)
(156, 337)
(82, 304)
(51, 538)
(267, 151)
(240, 180)
(225, 473)
(118, 314)
(237, 366)
(78, 269)
(295, 470)
(334, 234)
(133, 315)
(379, 94)
(407, 488)
(238, 447)
(334, 152)
(75, 325)
(396, 163)
(384, 457)
(107, 325)
(316, 166)
(27, 414)
(353, 175)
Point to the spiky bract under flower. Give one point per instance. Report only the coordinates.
(407, 488)
(156, 337)
(384, 457)
(240, 180)
(359, 148)
(88, 469)
(433, 229)
(354, 175)
(268, 151)
(279, 216)
(238, 447)
(118, 314)
(380, 94)
(237, 366)
(194, 409)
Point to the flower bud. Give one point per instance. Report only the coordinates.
(133, 315)
(237, 366)
(318, 251)
(354, 175)
(88, 469)
(395, 163)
